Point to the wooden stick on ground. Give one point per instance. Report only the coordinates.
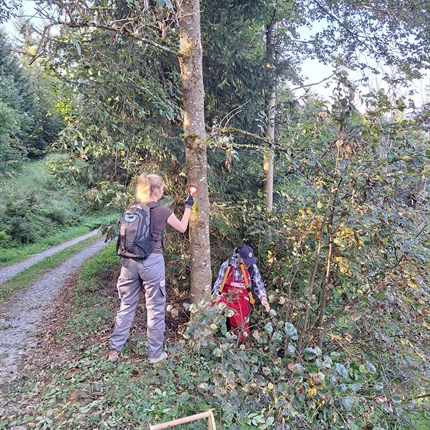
(207, 414)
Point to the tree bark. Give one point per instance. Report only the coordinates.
(268, 152)
(190, 60)
(270, 111)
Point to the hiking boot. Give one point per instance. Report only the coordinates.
(113, 356)
(156, 360)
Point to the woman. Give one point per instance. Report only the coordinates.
(237, 279)
(148, 274)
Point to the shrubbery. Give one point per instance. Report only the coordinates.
(259, 385)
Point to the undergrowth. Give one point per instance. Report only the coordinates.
(88, 223)
(257, 386)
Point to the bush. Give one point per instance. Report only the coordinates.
(264, 385)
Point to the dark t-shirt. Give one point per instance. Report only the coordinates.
(159, 216)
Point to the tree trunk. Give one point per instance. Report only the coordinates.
(326, 285)
(268, 153)
(195, 146)
(270, 110)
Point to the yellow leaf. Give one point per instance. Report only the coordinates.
(413, 283)
(312, 392)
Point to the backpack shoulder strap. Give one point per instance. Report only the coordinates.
(246, 276)
(229, 269)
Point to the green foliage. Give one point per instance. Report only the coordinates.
(347, 22)
(261, 384)
(123, 104)
(254, 387)
(7, 8)
(344, 254)
(28, 118)
(11, 151)
(237, 59)
(346, 259)
(15, 108)
(48, 120)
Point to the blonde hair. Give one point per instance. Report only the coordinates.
(146, 185)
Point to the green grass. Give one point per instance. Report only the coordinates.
(34, 179)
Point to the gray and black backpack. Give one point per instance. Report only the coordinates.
(135, 239)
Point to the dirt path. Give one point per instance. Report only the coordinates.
(22, 314)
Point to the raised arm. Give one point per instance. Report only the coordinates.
(182, 225)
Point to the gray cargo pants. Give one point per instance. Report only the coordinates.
(148, 274)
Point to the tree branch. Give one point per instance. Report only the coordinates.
(122, 32)
(237, 131)
(315, 83)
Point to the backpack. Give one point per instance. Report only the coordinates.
(135, 238)
(233, 262)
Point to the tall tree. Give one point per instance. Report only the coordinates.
(190, 60)
(271, 31)
(17, 106)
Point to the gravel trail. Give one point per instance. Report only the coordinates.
(13, 270)
(22, 314)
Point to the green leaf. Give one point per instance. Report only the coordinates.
(269, 327)
(74, 41)
(312, 368)
(311, 353)
(371, 367)
(347, 402)
(341, 370)
(291, 331)
(270, 421)
(277, 337)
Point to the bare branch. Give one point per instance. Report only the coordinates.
(237, 131)
(313, 84)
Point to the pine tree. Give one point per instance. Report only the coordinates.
(16, 107)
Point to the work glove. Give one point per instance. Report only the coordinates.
(189, 202)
